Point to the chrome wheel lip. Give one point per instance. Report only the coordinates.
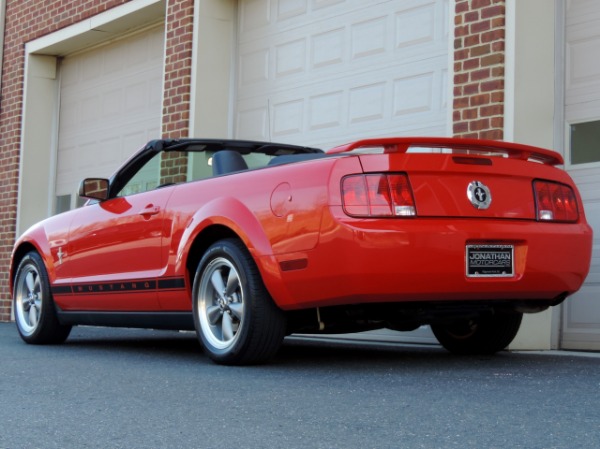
(28, 300)
(220, 303)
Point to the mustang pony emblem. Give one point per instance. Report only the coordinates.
(479, 195)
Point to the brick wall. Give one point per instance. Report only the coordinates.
(178, 68)
(479, 69)
(27, 20)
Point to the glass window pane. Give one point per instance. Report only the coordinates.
(585, 142)
(146, 179)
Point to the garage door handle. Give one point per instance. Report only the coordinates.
(149, 210)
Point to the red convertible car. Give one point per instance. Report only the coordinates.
(247, 242)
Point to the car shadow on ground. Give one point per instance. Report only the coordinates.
(295, 352)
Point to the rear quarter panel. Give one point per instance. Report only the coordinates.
(276, 211)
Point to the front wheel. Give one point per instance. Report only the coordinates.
(35, 313)
(484, 335)
(236, 320)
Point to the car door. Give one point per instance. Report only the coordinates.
(113, 256)
(114, 253)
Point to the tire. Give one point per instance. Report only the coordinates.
(236, 320)
(486, 335)
(35, 312)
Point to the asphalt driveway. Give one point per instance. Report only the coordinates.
(122, 388)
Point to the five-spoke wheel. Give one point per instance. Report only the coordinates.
(28, 299)
(35, 314)
(235, 317)
(221, 303)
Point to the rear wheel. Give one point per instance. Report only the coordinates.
(485, 335)
(236, 320)
(35, 313)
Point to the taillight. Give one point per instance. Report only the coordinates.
(378, 195)
(555, 202)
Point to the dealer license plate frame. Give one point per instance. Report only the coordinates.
(490, 261)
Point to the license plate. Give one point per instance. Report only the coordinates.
(490, 260)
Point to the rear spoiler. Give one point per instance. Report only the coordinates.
(458, 145)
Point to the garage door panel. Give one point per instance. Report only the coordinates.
(371, 36)
(370, 104)
(341, 70)
(110, 105)
(581, 313)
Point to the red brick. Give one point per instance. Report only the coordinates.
(461, 102)
(489, 111)
(479, 125)
(498, 47)
(470, 114)
(471, 64)
(497, 122)
(461, 78)
(477, 4)
(493, 85)
(493, 59)
(472, 16)
(498, 72)
(480, 27)
(460, 127)
(497, 97)
(480, 50)
(478, 100)
(461, 54)
(493, 35)
(461, 6)
(492, 11)
(471, 89)
(461, 31)
(498, 22)
(492, 134)
(479, 75)
(472, 40)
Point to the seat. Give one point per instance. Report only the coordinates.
(227, 161)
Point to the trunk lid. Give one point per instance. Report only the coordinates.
(464, 177)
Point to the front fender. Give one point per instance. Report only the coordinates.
(35, 238)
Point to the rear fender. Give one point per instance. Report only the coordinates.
(233, 214)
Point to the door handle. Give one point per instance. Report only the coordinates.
(150, 210)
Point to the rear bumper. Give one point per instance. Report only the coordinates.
(408, 260)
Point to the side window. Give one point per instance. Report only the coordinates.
(585, 142)
(147, 178)
(163, 169)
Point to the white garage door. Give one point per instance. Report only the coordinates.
(110, 105)
(324, 72)
(581, 323)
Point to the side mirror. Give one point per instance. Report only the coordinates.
(94, 188)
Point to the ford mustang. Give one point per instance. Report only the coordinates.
(247, 242)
